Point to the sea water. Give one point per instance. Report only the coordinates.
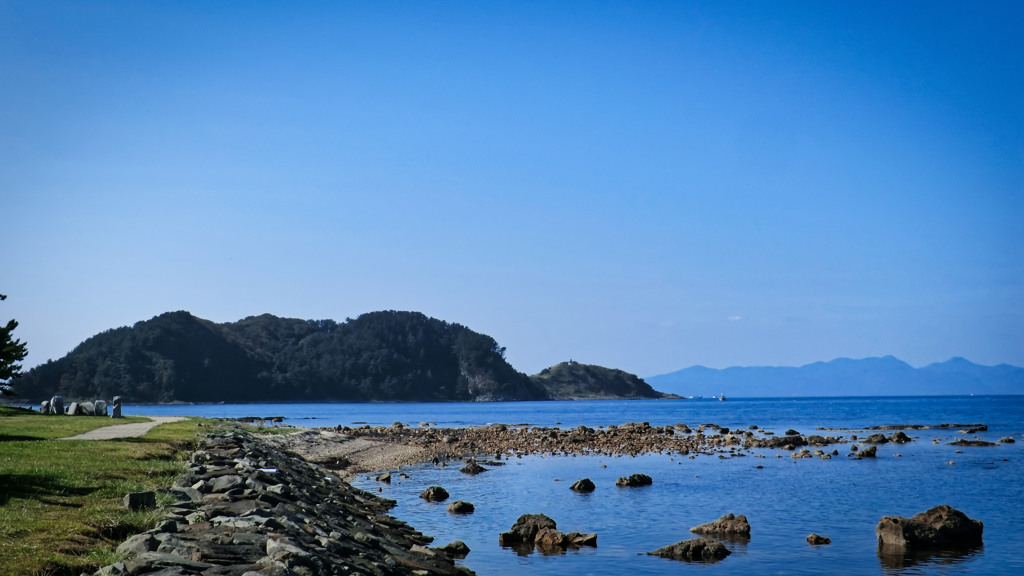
(784, 500)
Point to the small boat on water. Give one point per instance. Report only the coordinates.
(721, 397)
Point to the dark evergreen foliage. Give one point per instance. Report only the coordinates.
(379, 356)
(12, 351)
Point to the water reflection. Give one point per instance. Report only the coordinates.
(898, 560)
(523, 549)
(742, 539)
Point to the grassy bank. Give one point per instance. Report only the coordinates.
(60, 501)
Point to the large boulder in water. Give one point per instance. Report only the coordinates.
(877, 438)
(728, 525)
(939, 527)
(537, 530)
(434, 494)
(869, 452)
(525, 530)
(696, 550)
(900, 437)
(584, 485)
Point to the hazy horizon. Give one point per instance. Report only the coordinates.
(646, 187)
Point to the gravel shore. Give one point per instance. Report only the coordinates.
(351, 451)
(346, 455)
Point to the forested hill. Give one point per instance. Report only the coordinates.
(572, 381)
(379, 356)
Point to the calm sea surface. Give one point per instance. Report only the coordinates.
(784, 501)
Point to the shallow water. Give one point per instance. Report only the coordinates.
(784, 501)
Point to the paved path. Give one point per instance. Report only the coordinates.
(124, 430)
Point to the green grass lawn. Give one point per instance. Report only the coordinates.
(60, 501)
(22, 424)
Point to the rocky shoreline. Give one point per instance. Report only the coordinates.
(244, 508)
(354, 450)
(280, 505)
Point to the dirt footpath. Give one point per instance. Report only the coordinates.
(124, 430)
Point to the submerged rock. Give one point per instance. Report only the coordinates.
(461, 507)
(577, 539)
(696, 550)
(818, 540)
(472, 469)
(634, 480)
(963, 442)
(728, 525)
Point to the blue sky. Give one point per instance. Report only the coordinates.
(645, 186)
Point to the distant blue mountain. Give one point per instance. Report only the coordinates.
(886, 376)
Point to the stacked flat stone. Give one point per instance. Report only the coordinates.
(245, 509)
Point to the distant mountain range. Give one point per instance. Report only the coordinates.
(885, 376)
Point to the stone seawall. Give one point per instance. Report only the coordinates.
(244, 508)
